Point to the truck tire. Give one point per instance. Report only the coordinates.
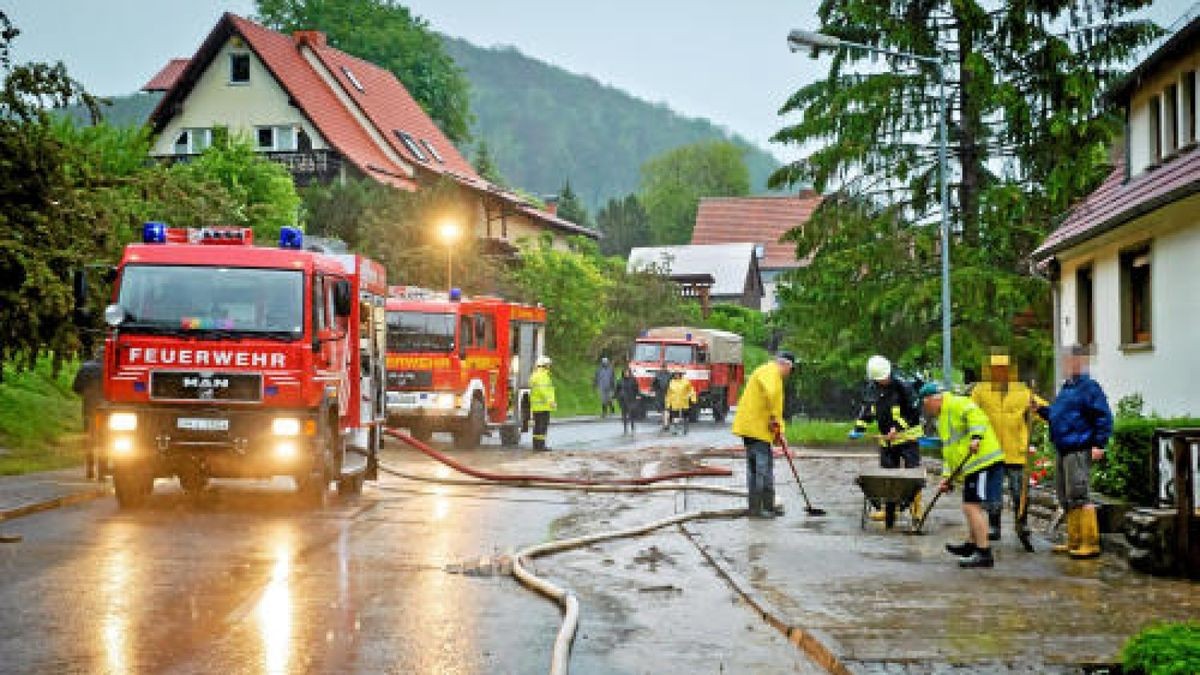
(193, 481)
(132, 485)
(720, 408)
(510, 435)
(421, 431)
(313, 486)
(469, 435)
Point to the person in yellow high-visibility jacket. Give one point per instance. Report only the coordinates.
(970, 450)
(681, 396)
(758, 420)
(1010, 407)
(541, 401)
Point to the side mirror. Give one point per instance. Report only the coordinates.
(341, 298)
(114, 315)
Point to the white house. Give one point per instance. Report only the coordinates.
(725, 273)
(1126, 261)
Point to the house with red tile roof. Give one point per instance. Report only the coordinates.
(761, 221)
(1124, 261)
(328, 116)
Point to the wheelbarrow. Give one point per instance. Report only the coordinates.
(881, 486)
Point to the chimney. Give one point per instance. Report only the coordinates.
(552, 205)
(309, 38)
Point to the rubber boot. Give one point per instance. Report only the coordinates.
(755, 508)
(1072, 541)
(994, 523)
(1089, 535)
(914, 511)
(878, 515)
(981, 558)
(769, 503)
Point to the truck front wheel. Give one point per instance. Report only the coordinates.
(133, 485)
(471, 432)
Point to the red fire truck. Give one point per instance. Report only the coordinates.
(460, 364)
(711, 359)
(224, 359)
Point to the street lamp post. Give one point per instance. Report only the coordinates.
(799, 39)
(449, 233)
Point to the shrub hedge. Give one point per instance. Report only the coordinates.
(1125, 471)
(1164, 649)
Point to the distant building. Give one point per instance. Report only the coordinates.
(761, 221)
(714, 273)
(327, 116)
(1124, 261)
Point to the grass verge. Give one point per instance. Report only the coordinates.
(40, 420)
(823, 433)
(573, 389)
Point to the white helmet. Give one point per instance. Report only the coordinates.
(543, 361)
(878, 368)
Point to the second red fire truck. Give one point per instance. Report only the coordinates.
(711, 359)
(461, 364)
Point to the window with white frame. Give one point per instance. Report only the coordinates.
(1136, 298)
(1187, 108)
(279, 138)
(1156, 146)
(239, 68)
(1170, 108)
(192, 141)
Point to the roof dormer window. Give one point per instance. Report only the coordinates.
(433, 151)
(411, 143)
(239, 68)
(353, 80)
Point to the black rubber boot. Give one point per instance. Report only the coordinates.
(961, 550)
(769, 503)
(981, 558)
(993, 524)
(755, 507)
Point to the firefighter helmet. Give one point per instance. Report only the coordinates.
(878, 368)
(543, 362)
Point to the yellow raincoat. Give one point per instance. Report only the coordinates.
(681, 395)
(1007, 408)
(761, 401)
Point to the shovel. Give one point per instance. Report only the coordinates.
(938, 495)
(808, 507)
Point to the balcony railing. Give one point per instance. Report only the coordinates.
(306, 166)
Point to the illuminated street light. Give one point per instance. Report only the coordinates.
(449, 233)
(799, 39)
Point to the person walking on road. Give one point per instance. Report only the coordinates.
(541, 401)
(605, 382)
(758, 420)
(1080, 426)
(891, 404)
(1009, 405)
(89, 384)
(970, 450)
(681, 396)
(627, 396)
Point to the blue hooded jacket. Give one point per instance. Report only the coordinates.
(1079, 417)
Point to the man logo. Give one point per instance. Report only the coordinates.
(209, 383)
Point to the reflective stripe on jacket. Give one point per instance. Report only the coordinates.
(761, 401)
(959, 422)
(680, 394)
(541, 391)
(1007, 408)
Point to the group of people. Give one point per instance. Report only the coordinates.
(678, 395)
(985, 444)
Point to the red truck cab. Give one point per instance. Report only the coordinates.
(225, 359)
(711, 359)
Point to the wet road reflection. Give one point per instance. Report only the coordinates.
(274, 610)
(116, 596)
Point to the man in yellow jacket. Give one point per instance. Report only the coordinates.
(541, 401)
(1009, 405)
(970, 450)
(759, 418)
(681, 396)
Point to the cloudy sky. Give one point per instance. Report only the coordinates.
(721, 59)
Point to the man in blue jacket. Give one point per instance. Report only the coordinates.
(1080, 426)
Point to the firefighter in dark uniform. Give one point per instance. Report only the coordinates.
(892, 407)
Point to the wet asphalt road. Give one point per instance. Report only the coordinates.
(247, 581)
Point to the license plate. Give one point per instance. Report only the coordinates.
(202, 424)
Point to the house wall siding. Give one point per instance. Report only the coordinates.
(215, 102)
(1165, 375)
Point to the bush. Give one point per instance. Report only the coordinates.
(750, 324)
(1164, 649)
(1125, 471)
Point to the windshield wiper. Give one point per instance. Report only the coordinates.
(153, 329)
(281, 335)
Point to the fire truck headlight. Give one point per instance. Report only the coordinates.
(122, 421)
(286, 426)
(286, 450)
(122, 446)
(445, 401)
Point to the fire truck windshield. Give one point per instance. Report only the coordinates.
(647, 351)
(420, 332)
(678, 354)
(227, 300)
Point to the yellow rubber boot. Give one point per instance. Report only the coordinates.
(915, 511)
(1072, 541)
(877, 516)
(1089, 535)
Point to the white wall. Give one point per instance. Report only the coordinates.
(1168, 374)
(240, 107)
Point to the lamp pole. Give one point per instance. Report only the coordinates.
(449, 233)
(797, 40)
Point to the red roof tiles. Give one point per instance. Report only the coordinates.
(760, 220)
(1117, 202)
(165, 78)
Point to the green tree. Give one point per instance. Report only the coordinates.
(571, 208)
(484, 164)
(624, 226)
(391, 36)
(1028, 137)
(673, 183)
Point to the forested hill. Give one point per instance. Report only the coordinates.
(543, 124)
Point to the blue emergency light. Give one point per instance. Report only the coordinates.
(455, 294)
(291, 237)
(154, 233)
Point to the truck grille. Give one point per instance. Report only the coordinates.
(207, 386)
(410, 379)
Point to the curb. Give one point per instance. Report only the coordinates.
(813, 643)
(54, 503)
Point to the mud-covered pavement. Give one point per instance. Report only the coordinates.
(412, 577)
